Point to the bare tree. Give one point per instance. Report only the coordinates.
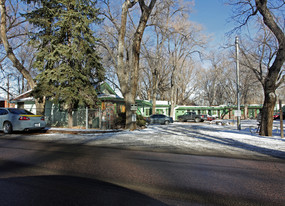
(183, 41)
(251, 87)
(128, 49)
(128, 71)
(155, 46)
(12, 27)
(153, 54)
(4, 38)
(216, 81)
(269, 73)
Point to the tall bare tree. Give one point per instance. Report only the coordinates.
(128, 69)
(8, 48)
(154, 53)
(128, 49)
(183, 41)
(12, 27)
(270, 74)
(216, 81)
(171, 67)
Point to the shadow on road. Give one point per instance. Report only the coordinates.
(197, 133)
(37, 173)
(68, 190)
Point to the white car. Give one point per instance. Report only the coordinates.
(13, 119)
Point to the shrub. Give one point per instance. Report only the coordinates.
(120, 121)
(141, 122)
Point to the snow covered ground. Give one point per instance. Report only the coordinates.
(186, 138)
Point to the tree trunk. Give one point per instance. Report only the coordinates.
(70, 118)
(129, 123)
(154, 90)
(153, 104)
(270, 83)
(40, 105)
(128, 69)
(245, 112)
(173, 100)
(267, 113)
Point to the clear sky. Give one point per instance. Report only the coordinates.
(214, 16)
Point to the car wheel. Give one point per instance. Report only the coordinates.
(197, 120)
(166, 122)
(7, 128)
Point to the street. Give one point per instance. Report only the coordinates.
(43, 173)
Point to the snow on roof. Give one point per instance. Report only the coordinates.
(162, 102)
(23, 95)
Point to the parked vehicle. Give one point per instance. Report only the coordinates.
(13, 119)
(210, 118)
(159, 119)
(277, 115)
(192, 116)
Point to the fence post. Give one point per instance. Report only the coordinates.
(100, 118)
(281, 118)
(86, 117)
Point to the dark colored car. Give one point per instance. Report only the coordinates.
(13, 119)
(159, 119)
(277, 115)
(192, 116)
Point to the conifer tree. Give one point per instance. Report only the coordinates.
(67, 59)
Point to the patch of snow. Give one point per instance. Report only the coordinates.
(192, 138)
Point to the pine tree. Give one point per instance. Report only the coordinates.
(67, 59)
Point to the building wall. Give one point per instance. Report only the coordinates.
(224, 112)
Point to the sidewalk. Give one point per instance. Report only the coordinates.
(78, 130)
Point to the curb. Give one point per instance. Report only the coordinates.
(77, 131)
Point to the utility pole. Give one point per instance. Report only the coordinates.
(238, 93)
(8, 90)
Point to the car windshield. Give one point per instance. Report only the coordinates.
(19, 111)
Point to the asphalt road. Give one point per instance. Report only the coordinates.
(37, 173)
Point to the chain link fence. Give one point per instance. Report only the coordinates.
(84, 118)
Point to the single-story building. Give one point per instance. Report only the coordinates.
(104, 115)
(111, 105)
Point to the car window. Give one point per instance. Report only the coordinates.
(3, 111)
(19, 111)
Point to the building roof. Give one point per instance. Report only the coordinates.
(24, 96)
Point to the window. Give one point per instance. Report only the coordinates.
(19, 111)
(3, 112)
(20, 105)
(147, 111)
